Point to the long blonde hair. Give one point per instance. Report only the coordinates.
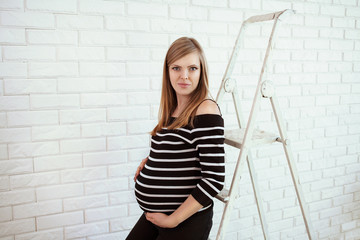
(178, 49)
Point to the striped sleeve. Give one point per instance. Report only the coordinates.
(208, 139)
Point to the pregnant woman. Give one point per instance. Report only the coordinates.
(185, 170)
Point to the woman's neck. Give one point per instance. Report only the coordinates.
(181, 105)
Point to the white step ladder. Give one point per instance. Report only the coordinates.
(244, 138)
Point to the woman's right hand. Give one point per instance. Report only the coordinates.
(140, 167)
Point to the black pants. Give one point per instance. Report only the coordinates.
(196, 227)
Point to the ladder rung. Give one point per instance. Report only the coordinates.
(223, 195)
(235, 137)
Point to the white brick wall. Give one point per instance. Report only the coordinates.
(80, 87)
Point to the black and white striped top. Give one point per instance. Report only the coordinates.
(183, 161)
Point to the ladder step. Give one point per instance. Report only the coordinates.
(235, 137)
(223, 195)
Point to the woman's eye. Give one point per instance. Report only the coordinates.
(176, 68)
(193, 68)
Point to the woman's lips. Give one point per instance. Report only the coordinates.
(183, 85)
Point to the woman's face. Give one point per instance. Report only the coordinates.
(185, 74)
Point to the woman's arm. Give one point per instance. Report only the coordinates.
(186, 210)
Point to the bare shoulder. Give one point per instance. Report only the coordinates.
(208, 107)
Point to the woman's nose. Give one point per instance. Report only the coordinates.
(184, 74)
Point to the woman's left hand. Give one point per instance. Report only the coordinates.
(161, 220)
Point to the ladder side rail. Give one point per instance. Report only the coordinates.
(258, 198)
(292, 167)
(233, 194)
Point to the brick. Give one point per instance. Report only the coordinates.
(104, 38)
(204, 27)
(11, 69)
(318, 21)
(302, 101)
(127, 142)
(348, 226)
(27, 19)
(5, 214)
(338, 89)
(273, 4)
(307, 8)
(188, 12)
(127, 23)
(104, 158)
(102, 69)
(330, 212)
(52, 234)
(33, 149)
(127, 54)
(106, 213)
(81, 53)
(322, 184)
(3, 151)
(81, 85)
(147, 9)
(79, 21)
(37, 209)
(122, 170)
(225, 15)
(15, 197)
(55, 132)
(102, 7)
(139, 127)
(29, 53)
(103, 129)
(83, 174)
(16, 166)
(82, 116)
(27, 86)
(143, 98)
(352, 12)
(87, 229)
(327, 100)
(50, 163)
(13, 135)
(304, 55)
(147, 39)
(32, 118)
(332, 10)
(211, 3)
(52, 5)
(352, 34)
(59, 101)
(34, 180)
(288, 68)
(122, 197)
(17, 227)
(53, 69)
(4, 186)
(9, 103)
(341, 44)
(343, 22)
(15, 4)
(59, 220)
(12, 36)
(108, 185)
(85, 202)
(83, 145)
(170, 26)
(103, 99)
(52, 37)
(2, 122)
(128, 113)
(123, 224)
(59, 191)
